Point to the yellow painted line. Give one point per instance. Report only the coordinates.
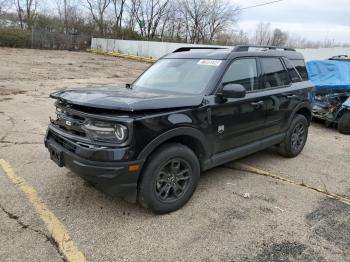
(134, 57)
(57, 230)
(248, 168)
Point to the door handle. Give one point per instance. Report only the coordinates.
(257, 104)
(292, 96)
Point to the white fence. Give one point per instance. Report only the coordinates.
(158, 49)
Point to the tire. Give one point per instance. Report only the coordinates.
(165, 185)
(296, 137)
(344, 123)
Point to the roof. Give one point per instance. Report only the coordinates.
(222, 53)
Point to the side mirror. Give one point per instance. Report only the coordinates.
(233, 91)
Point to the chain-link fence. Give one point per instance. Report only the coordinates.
(51, 40)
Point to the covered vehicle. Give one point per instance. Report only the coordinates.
(331, 101)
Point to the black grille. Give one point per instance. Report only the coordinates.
(69, 121)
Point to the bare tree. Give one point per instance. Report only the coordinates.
(19, 13)
(279, 37)
(262, 34)
(195, 13)
(27, 12)
(66, 14)
(164, 22)
(4, 6)
(118, 7)
(64, 8)
(240, 38)
(221, 16)
(327, 43)
(174, 25)
(190, 21)
(204, 20)
(148, 15)
(132, 9)
(98, 9)
(70, 16)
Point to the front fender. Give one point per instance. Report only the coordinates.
(195, 134)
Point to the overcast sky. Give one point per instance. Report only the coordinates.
(314, 20)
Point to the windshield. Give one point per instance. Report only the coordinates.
(190, 76)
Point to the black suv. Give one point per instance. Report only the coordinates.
(194, 109)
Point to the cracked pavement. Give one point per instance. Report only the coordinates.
(28, 227)
(233, 215)
(23, 236)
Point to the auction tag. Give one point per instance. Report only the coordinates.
(209, 62)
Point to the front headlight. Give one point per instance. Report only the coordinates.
(106, 131)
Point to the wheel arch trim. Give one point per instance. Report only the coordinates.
(303, 105)
(197, 135)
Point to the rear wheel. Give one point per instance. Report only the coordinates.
(344, 124)
(169, 179)
(296, 137)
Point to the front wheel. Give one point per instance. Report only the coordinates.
(296, 137)
(170, 177)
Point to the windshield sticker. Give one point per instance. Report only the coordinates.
(209, 62)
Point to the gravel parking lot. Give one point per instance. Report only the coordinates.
(233, 215)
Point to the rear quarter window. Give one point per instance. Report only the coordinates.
(275, 75)
(300, 66)
(294, 74)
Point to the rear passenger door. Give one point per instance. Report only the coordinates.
(276, 82)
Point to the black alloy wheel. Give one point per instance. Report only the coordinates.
(295, 138)
(169, 178)
(173, 180)
(298, 137)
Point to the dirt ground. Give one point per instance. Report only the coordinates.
(276, 221)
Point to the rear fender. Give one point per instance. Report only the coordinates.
(304, 105)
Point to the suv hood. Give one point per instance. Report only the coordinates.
(118, 98)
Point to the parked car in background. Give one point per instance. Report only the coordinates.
(331, 100)
(343, 58)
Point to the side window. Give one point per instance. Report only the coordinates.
(294, 75)
(243, 72)
(301, 68)
(274, 73)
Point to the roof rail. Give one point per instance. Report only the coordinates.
(345, 57)
(189, 48)
(244, 48)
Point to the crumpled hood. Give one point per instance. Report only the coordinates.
(117, 98)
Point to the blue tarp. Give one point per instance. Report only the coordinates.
(329, 76)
